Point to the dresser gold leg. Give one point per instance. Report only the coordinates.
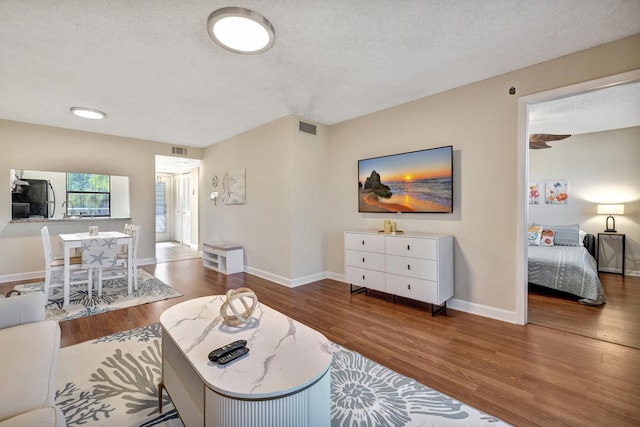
(160, 388)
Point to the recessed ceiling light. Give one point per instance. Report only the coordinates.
(241, 30)
(88, 113)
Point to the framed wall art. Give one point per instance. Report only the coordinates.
(557, 192)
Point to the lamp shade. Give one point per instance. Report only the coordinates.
(610, 209)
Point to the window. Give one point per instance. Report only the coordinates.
(88, 194)
(161, 220)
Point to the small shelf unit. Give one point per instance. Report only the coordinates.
(224, 257)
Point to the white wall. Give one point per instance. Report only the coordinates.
(35, 147)
(480, 121)
(309, 164)
(263, 224)
(601, 168)
(194, 206)
(281, 225)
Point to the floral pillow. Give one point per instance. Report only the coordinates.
(546, 239)
(534, 234)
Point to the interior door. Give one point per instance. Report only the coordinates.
(164, 210)
(182, 211)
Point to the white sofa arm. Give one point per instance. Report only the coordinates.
(30, 360)
(21, 309)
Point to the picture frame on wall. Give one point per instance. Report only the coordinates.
(414, 182)
(534, 194)
(557, 192)
(234, 187)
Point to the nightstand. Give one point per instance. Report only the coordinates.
(618, 236)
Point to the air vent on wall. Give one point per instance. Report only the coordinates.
(179, 150)
(307, 128)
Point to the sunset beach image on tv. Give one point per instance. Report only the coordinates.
(419, 181)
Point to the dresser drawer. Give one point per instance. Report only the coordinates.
(409, 287)
(368, 278)
(364, 242)
(412, 267)
(369, 260)
(412, 247)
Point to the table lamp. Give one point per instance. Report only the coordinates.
(610, 210)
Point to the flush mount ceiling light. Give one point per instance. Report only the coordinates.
(88, 113)
(241, 30)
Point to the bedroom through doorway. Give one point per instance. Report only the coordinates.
(575, 162)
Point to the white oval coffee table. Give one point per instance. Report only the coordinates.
(284, 380)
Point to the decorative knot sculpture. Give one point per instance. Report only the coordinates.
(236, 317)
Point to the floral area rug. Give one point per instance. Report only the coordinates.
(114, 381)
(114, 296)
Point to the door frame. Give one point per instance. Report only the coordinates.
(522, 207)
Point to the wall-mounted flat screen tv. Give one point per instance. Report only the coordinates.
(418, 182)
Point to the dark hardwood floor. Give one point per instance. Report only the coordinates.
(617, 321)
(526, 375)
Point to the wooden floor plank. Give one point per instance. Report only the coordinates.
(615, 321)
(527, 375)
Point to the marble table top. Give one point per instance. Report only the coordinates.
(284, 355)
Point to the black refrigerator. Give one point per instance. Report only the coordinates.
(36, 194)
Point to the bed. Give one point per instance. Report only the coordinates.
(570, 269)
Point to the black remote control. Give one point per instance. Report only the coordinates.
(233, 355)
(219, 352)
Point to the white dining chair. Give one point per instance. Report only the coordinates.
(127, 230)
(134, 231)
(54, 267)
(98, 255)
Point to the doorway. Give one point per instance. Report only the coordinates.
(176, 208)
(533, 309)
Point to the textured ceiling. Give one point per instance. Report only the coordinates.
(151, 66)
(600, 110)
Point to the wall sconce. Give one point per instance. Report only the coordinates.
(214, 194)
(610, 210)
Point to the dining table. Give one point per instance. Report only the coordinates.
(71, 241)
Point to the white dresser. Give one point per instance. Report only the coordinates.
(411, 265)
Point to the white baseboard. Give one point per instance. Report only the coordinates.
(461, 305)
(482, 310)
(336, 276)
(284, 281)
(619, 270)
(268, 276)
(22, 276)
(308, 279)
(30, 275)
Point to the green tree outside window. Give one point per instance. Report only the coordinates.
(88, 195)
